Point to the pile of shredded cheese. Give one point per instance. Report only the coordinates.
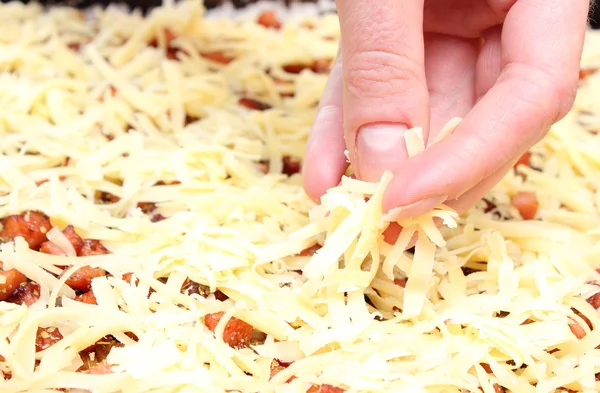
(488, 298)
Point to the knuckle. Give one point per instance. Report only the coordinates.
(381, 74)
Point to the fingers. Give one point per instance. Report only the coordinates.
(385, 91)
(325, 162)
(489, 64)
(536, 88)
(450, 69)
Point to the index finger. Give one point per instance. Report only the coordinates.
(542, 42)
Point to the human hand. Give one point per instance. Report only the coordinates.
(508, 67)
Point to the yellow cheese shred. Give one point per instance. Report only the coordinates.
(196, 123)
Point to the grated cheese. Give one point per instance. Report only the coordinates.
(485, 291)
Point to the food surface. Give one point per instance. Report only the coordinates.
(156, 238)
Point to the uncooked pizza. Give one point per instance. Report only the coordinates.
(156, 238)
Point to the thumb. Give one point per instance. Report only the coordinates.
(385, 90)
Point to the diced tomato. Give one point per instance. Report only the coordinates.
(74, 46)
(127, 278)
(31, 225)
(526, 203)
(52, 249)
(46, 337)
(93, 247)
(324, 389)
(291, 166)
(401, 282)
(390, 235)
(26, 293)
(190, 287)
(277, 367)
(100, 369)
(237, 333)
(157, 217)
(217, 57)
(87, 297)
(486, 367)
(106, 197)
(524, 160)
(10, 282)
(295, 68)
(254, 104)
(595, 301)
(269, 20)
(82, 278)
(321, 66)
(75, 240)
(146, 207)
(576, 329)
(310, 251)
(585, 72)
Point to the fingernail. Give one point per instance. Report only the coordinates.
(414, 209)
(380, 147)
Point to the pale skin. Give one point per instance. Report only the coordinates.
(509, 68)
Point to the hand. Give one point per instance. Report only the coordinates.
(508, 67)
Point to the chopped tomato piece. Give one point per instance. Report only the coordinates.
(10, 282)
(324, 389)
(106, 197)
(585, 72)
(217, 57)
(526, 203)
(82, 278)
(157, 218)
(401, 282)
(74, 46)
(254, 104)
(128, 276)
(321, 66)
(52, 249)
(524, 160)
(237, 333)
(291, 166)
(576, 329)
(47, 337)
(75, 240)
(26, 293)
(595, 301)
(269, 20)
(146, 207)
(486, 367)
(100, 369)
(31, 225)
(295, 68)
(87, 297)
(310, 251)
(93, 247)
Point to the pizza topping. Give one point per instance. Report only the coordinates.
(46, 337)
(32, 226)
(10, 281)
(254, 104)
(237, 333)
(269, 19)
(526, 203)
(27, 293)
(87, 297)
